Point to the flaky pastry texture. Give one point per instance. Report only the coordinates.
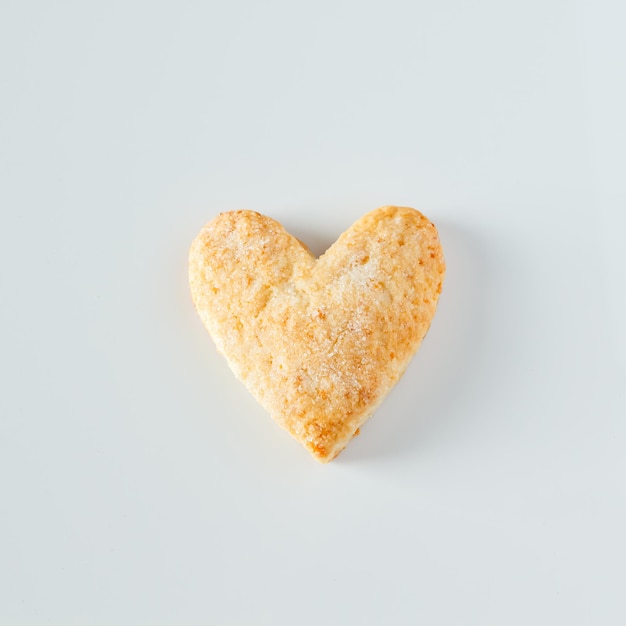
(318, 342)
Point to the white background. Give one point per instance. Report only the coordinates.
(140, 483)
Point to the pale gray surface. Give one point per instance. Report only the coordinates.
(140, 483)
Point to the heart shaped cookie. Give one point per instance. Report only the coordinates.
(318, 342)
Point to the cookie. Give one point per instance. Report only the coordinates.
(318, 342)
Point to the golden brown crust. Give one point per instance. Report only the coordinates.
(319, 343)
